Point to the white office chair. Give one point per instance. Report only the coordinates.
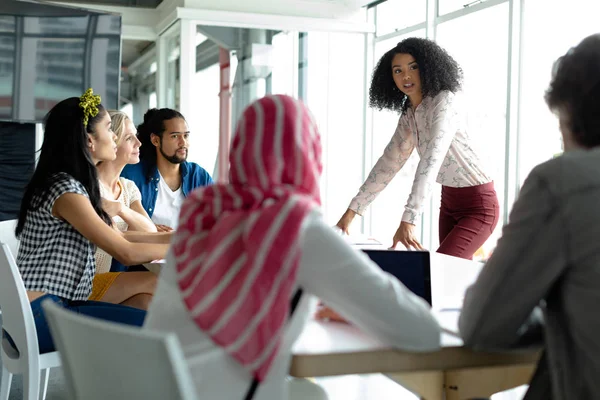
(7, 235)
(17, 320)
(105, 360)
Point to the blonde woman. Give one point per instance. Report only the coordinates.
(121, 199)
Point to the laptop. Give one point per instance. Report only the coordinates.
(412, 268)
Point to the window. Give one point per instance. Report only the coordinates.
(7, 61)
(127, 109)
(448, 6)
(284, 71)
(105, 68)
(335, 68)
(7, 23)
(543, 43)
(48, 26)
(485, 83)
(394, 15)
(204, 124)
(53, 79)
(173, 49)
(108, 24)
(382, 46)
(152, 100)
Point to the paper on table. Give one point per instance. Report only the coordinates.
(357, 239)
(448, 321)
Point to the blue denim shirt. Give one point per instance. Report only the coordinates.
(147, 178)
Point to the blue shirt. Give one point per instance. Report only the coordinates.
(147, 178)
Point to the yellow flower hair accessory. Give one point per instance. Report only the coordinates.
(89, 103)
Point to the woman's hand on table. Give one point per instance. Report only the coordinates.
(163, 228)
(327, 313)
(346, 220)
(406, 235)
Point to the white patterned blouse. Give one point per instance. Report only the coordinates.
(129, 194)
(437, 129)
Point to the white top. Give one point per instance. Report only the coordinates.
(437, 129)
(331, 270)
(129, 194)
(168, 204)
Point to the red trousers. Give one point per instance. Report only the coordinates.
(468, 216)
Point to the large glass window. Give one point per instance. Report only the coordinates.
(284, 71)
(394, 15)
(204, 124)
(7, 66)
(49, 26)
(7, 23)
(543, 43)
(58, 73)
(173, 49)
(335, 95)
(105, 66)
(152, 100)
(485, 83)
(44, 60)
(448, 6)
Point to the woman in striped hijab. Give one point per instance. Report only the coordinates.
(251, 257)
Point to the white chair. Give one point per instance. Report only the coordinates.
(7, 235)
(105, 360)
(17, 320)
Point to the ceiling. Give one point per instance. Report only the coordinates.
(31, 9)
(122, 3)
(132, 50)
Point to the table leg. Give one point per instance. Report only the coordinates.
(464, 384)
(428, 385)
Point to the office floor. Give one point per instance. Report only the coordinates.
(338, 388)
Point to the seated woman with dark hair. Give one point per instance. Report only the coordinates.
(62, 221)
(548, 258)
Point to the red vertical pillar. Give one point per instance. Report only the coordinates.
(224, 117)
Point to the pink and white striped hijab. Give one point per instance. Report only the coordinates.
(237, 246)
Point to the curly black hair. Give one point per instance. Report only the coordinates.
(575, 89)
(438, 70)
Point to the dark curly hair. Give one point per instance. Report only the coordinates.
(438, 71)
(575, 90)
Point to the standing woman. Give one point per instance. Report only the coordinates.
(61, 221)
(421, 80)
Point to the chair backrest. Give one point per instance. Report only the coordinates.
(7, 235)
(17, 318)
(106, 360)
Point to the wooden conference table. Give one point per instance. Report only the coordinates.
(454, 372)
